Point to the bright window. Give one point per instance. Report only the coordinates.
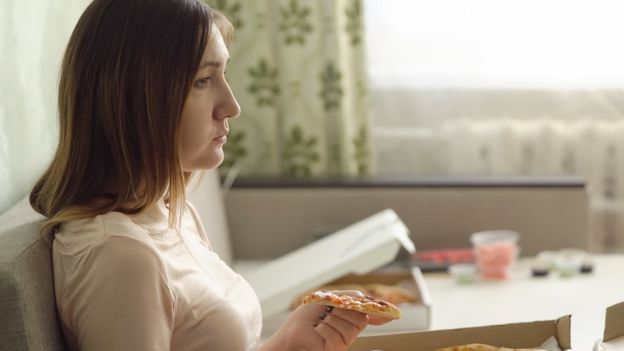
(496, 43)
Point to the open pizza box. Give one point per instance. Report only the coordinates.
(346, 256)
(613, 337)
(517, 335)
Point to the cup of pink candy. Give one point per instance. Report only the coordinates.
(495, 252)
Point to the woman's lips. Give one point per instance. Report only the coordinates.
(221, 139)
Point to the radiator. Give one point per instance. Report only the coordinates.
(589, 148)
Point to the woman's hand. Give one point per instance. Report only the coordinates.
(374, 320)
(314, 327)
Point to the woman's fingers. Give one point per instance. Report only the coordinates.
(347, 329)
(340, 327)
(335, 328)
(356, 319)
(334, 340)
(300, 331)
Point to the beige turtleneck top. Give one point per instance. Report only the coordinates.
(131, 283)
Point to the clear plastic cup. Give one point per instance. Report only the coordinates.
(464, 273)
(495, 252)
(569, 262)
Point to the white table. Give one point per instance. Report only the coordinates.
(525, 299)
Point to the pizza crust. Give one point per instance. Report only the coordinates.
(364, 304)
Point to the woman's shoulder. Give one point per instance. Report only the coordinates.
(109, 243)
(84, 234)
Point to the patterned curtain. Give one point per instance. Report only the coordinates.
(299, 73)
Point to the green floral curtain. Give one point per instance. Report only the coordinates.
(299, 73)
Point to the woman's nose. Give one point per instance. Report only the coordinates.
(229, 106)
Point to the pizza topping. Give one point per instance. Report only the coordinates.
(394, 294)
(364, 304)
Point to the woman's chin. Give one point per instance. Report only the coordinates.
(211, 161)
(213, 164)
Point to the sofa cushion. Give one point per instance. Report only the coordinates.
(28, 319)
(20, 213)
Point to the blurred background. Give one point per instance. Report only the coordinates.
(373, 89)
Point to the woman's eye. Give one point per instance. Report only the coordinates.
(202, 83)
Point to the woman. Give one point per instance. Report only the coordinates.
(143, 103)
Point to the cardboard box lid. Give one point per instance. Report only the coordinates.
(517, 335)
(614, 322)
(358, 248)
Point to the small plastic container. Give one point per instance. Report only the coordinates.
(464, 273)
(569, 262)
(541, 267)
(587, 267)
(495, 252)
(587, 263)
(548, 258)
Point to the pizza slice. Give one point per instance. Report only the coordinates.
(355, 287)
(365, 304)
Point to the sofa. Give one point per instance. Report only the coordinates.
(28, 319)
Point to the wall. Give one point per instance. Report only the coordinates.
(269, 221)
(33, 35)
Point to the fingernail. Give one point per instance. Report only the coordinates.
(322, 316)
(328, 309)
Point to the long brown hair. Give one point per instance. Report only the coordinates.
(127, 70)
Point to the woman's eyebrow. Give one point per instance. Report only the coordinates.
(216, 64)
(210, 63)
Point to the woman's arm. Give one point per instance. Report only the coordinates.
(125, 302)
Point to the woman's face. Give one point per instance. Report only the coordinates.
(204, 124)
